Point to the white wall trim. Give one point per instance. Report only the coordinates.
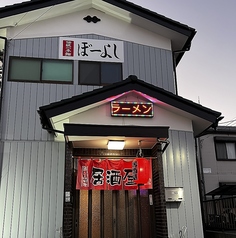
(74, 24)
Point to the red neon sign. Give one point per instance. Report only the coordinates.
(131, 109)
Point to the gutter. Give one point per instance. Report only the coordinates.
(186, 46)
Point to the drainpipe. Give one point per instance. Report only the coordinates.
(3, 72)
(200, 181)
(1, 97)
(174, 65)
(201, 168)
(175, 75)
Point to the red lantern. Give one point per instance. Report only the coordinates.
(141, 170)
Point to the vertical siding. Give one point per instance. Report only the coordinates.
(25, 190)
(179, 163)
(33, 117)
(164, 69)
(22, 100)
(6, 194)
(170, 72)
(25, 112)
(150, 64)
(31, 189)
(11, 113)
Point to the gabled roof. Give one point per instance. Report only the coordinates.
(32, 5)
(221, 130)
(180, 34)
(201, 117)
(153, 16)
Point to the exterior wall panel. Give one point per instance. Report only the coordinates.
(23, 99)
(140, 60)
(32, 189)
(179, 163)
(12, 111)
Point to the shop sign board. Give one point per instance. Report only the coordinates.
(91, 50)
(131, 109)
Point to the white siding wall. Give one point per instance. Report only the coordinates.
(20, 104)
(179, 162)
(221, 171)
(32, 188)
(150, 64)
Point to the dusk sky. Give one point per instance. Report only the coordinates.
(207, 73)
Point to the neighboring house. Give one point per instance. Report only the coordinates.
(78, 74)
(217, 160)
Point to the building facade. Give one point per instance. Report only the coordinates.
(72, 70)
(217, 158)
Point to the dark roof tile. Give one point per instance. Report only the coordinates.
(129, 84)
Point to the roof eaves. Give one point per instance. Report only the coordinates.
(153, 16)
(131, 7)
(161, 20)
(186, 47)
(180, 102)
(131, 83)
(18, 8)
(101, 90)
(229, 130)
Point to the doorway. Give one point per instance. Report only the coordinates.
(113, 214)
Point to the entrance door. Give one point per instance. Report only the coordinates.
(113, 214)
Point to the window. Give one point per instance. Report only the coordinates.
(24, 69)
(99, 73)
(225, 148)
(40, 70)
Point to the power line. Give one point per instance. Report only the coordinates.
(228, 122)
(31, 22)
